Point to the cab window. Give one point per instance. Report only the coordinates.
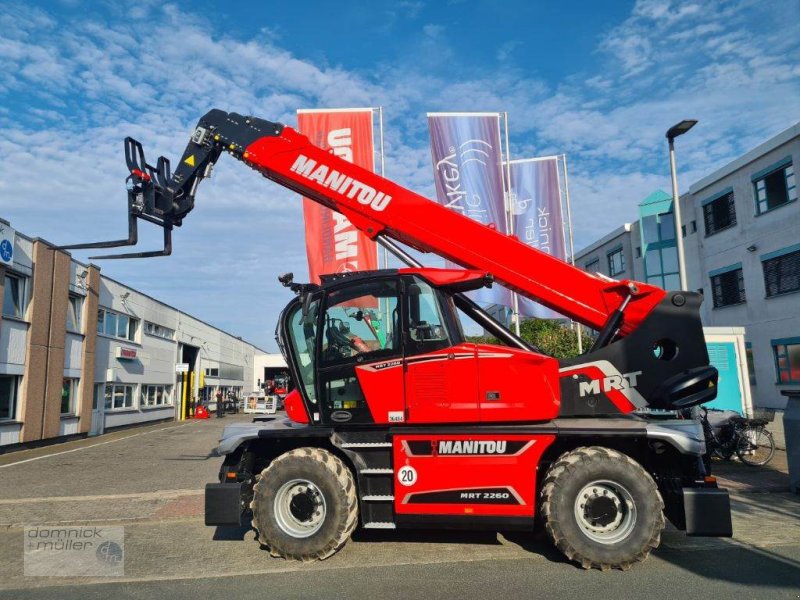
(303, 332)
(361, 323)
(427, 328)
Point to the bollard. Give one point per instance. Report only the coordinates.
(791, 428)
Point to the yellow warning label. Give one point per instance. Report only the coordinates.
(190, 161)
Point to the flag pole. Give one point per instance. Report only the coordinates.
(571, 242)
(383, 174)
(510, 220)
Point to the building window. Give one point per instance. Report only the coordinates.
(661, 266)
(159, 330)
(616, 262)
(74, 312)
(683, 230)
(782, 272)
(694, 226)
(9, 385)
(212, 372)
(118, 396)
(719, 213)
(69, 396)
(14, 296)
(751, 364)
(775, 188)
(727, 286)
(638, 252)
(116, 325)
(593, 266)
(787, 359)
(156, 395)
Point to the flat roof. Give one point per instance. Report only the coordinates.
(619, 231)
(778, 140)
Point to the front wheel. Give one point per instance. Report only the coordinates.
(305, 505)
(755, 446)
(601, 508)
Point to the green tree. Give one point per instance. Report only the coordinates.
(552, 337)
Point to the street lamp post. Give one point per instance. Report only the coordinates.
(672, 133)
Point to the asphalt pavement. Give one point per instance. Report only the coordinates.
(150, 481)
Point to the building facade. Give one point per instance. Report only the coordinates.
(81, 353)
(741, 230)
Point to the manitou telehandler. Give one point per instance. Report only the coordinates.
(398, 421)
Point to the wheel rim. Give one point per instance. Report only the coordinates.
(755, 447)
(605, 511)
(300, 508)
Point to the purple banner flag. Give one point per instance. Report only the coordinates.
(468, 173)
(535, 200)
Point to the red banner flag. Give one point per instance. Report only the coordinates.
(333, 245)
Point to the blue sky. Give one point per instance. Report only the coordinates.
(598, 81)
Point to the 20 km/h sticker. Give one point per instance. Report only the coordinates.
(407, 476)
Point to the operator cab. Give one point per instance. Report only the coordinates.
(388, 347)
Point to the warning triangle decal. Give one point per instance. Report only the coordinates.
(190, 161)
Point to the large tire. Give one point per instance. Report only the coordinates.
(601, 509)
(305, 505)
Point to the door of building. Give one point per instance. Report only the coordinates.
(98, 413)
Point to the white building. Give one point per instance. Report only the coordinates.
(741, 229)
(81, 353)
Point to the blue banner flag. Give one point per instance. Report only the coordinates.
(468, 173)
(535, 202)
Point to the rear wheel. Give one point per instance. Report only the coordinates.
(755, 446)
(601, 508)
(304, 505)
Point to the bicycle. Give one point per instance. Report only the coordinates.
(747, 438)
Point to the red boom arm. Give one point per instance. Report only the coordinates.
(379, 206)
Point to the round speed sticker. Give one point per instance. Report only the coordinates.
(407, 476)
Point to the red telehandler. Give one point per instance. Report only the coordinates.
(398, 421)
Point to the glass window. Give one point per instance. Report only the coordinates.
(74, 312)
(672, 282)
(652, 262)
(728, 288)
(427, 329)
(117, 325)
(616, 262)
(111, 324)
(719, 214)
(751, 365)
(593, 266)
(14, 296)
(666, 227)
(122, 326)
(9, 385)
(119, 396)
(359, 321)
(669, 260)
(69, 396)
(782, 274)
(775, 189)
(787, 360)
(650, 229)
(303, 332)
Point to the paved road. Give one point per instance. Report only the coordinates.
(150, 481)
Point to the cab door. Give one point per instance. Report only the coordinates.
(358, 337)
(441, 371)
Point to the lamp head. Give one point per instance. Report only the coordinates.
(680, 128)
